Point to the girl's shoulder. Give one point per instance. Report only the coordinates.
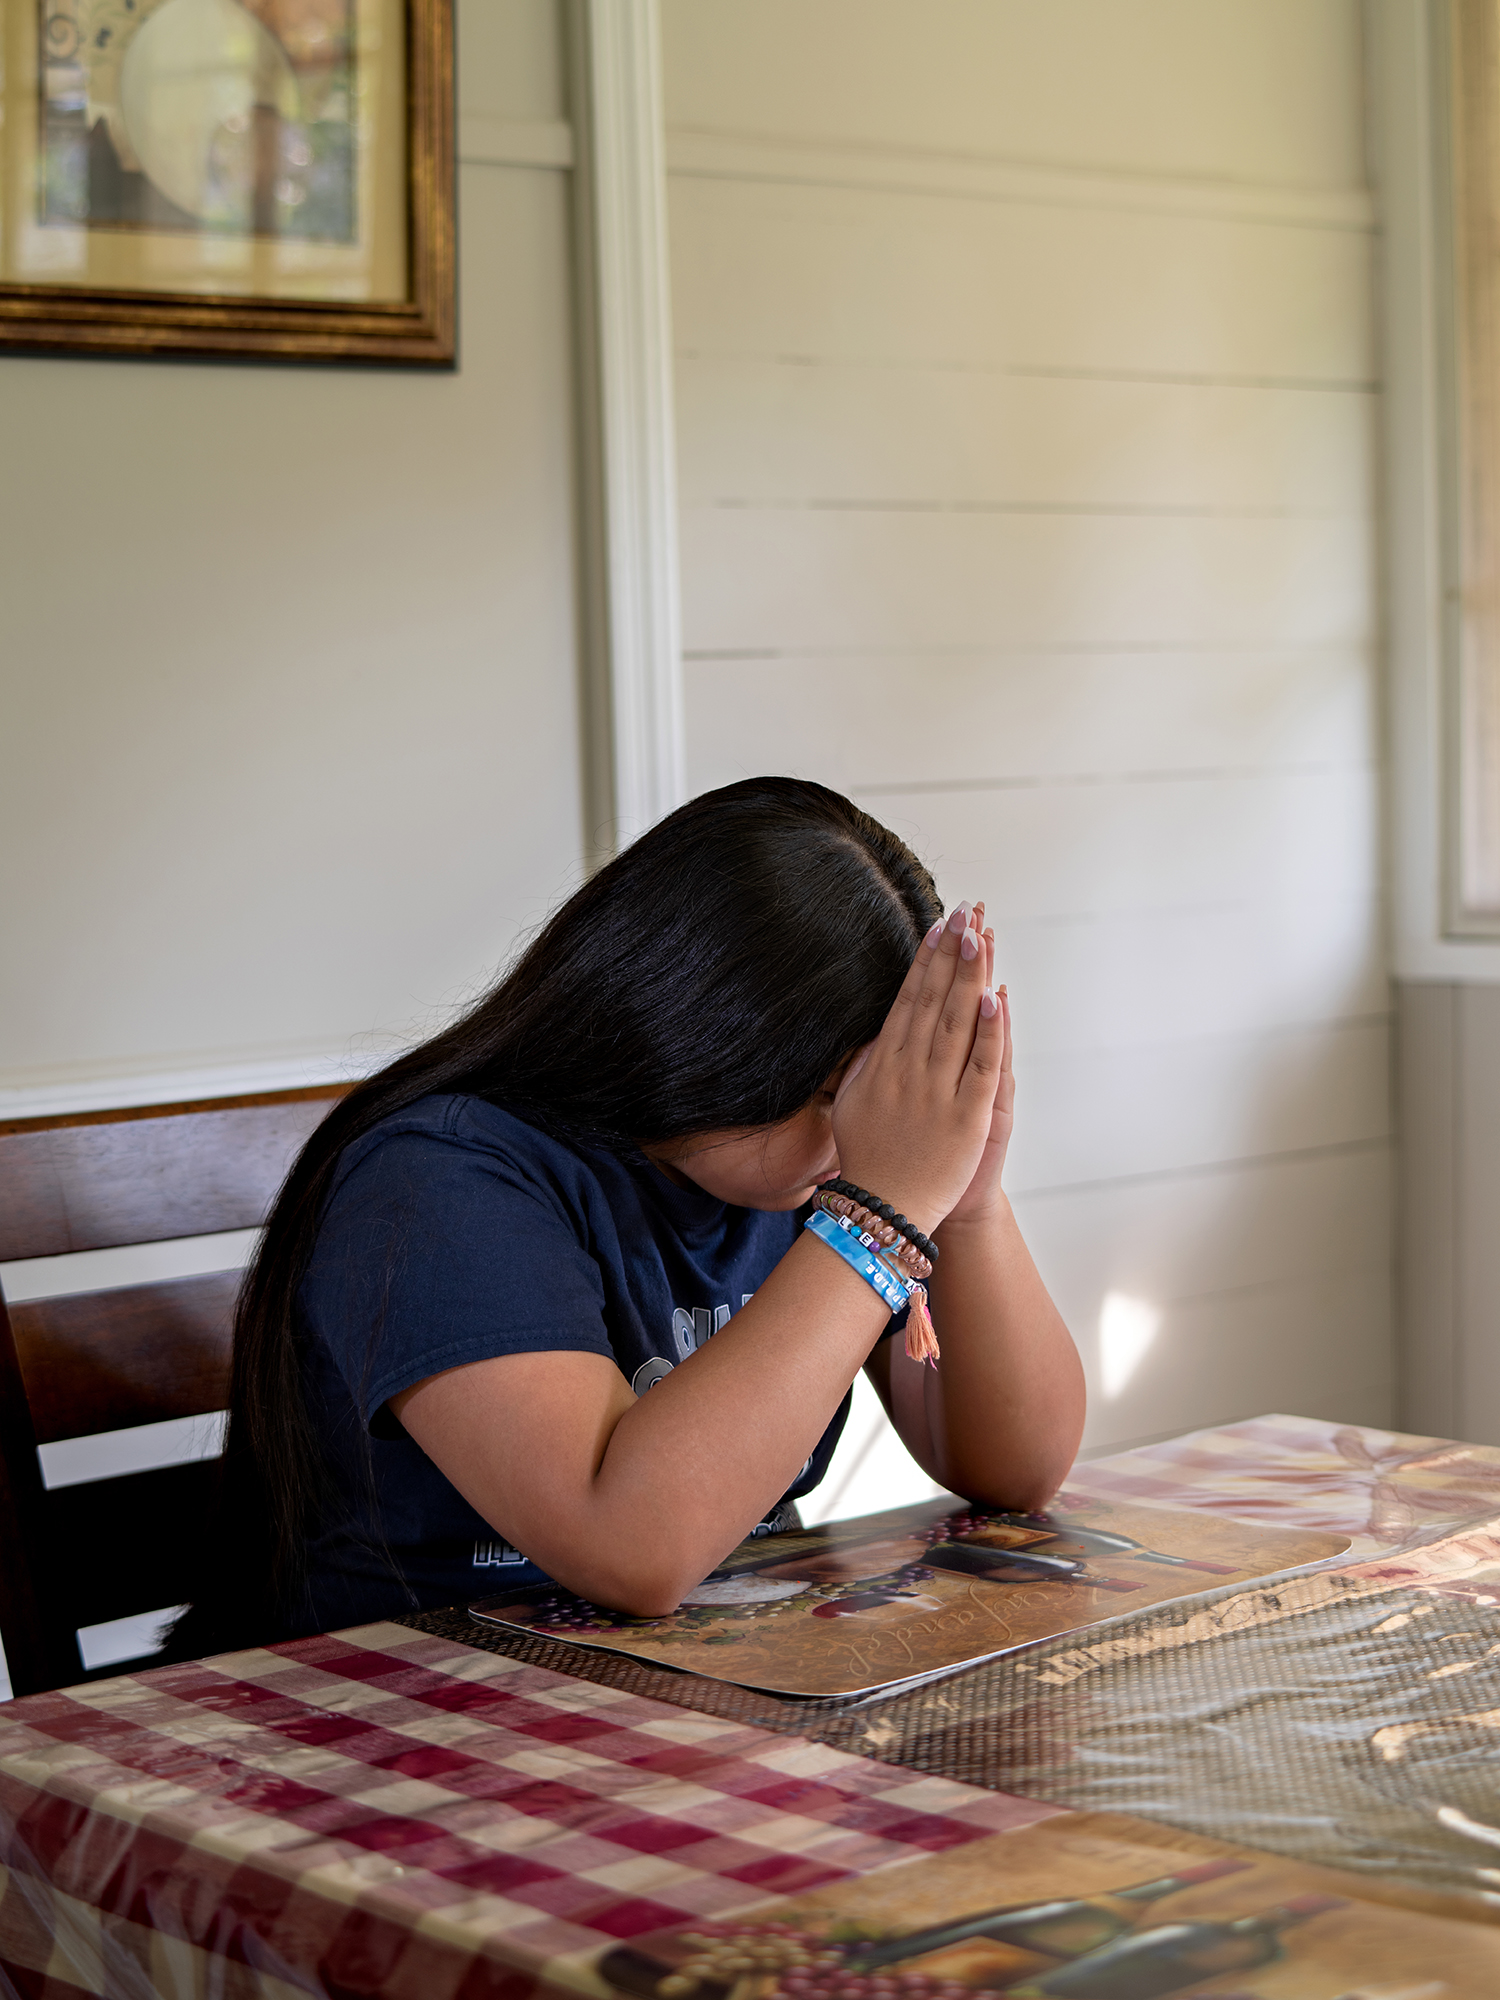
(457, 1131)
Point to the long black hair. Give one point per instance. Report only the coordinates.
(712, 976)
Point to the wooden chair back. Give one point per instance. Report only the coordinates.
(107, 1360)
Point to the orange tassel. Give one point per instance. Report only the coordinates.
(921, 1341)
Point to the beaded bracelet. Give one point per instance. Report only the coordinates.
(905, 1254)
(886, 1213)
(863, 1253)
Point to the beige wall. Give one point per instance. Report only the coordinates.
(1025, 399)
(289, 661)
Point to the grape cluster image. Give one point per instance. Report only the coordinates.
(1082, 1906)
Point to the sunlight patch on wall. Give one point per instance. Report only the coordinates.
(1127, 1327)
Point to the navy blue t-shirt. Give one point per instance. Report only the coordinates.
(456, 1232)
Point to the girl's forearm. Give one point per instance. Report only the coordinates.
(1000, 1418)
(631, 1501)
(711, 1448)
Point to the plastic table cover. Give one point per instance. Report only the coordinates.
(394, 1811)
(1349, 1715)
(383, 1811)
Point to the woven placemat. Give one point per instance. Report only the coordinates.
(1360, 1733)
(616, 1670)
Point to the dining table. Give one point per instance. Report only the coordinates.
(431, 1808)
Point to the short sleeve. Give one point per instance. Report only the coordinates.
(434, 1252)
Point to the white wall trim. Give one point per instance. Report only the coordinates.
(976, 177)
(96, 1089)
(512, 142)
(627, 347)
(1413, 327)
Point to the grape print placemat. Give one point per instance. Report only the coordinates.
(896, 1599)
(1095, 1906)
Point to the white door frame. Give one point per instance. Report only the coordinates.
(632, 616)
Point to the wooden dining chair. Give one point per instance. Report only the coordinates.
(89, 1362)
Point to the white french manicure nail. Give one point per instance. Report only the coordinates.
(989, 1006)
(968, 946)
(933, 935)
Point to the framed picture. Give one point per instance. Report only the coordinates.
(220, 177)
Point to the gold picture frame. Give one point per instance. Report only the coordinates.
(267, 178)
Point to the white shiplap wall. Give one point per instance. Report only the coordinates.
(1025, 416)
(269, 638)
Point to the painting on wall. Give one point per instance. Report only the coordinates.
(269, 177)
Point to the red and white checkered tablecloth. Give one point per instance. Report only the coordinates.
(385, 1812)
(382, 1811)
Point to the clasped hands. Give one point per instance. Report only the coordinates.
(923, 1114)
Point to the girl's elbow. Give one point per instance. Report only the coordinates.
(1025, 1487)
(650, 1603)
(640, 1584)
(646, 1593)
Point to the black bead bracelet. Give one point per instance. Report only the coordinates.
(886, 1213)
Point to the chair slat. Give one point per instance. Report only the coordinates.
(35, 1653)
(105, 1179)
(104, 1361)
(132, 1540)
(110, 1360)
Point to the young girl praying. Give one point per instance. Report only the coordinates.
(578, 1289)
